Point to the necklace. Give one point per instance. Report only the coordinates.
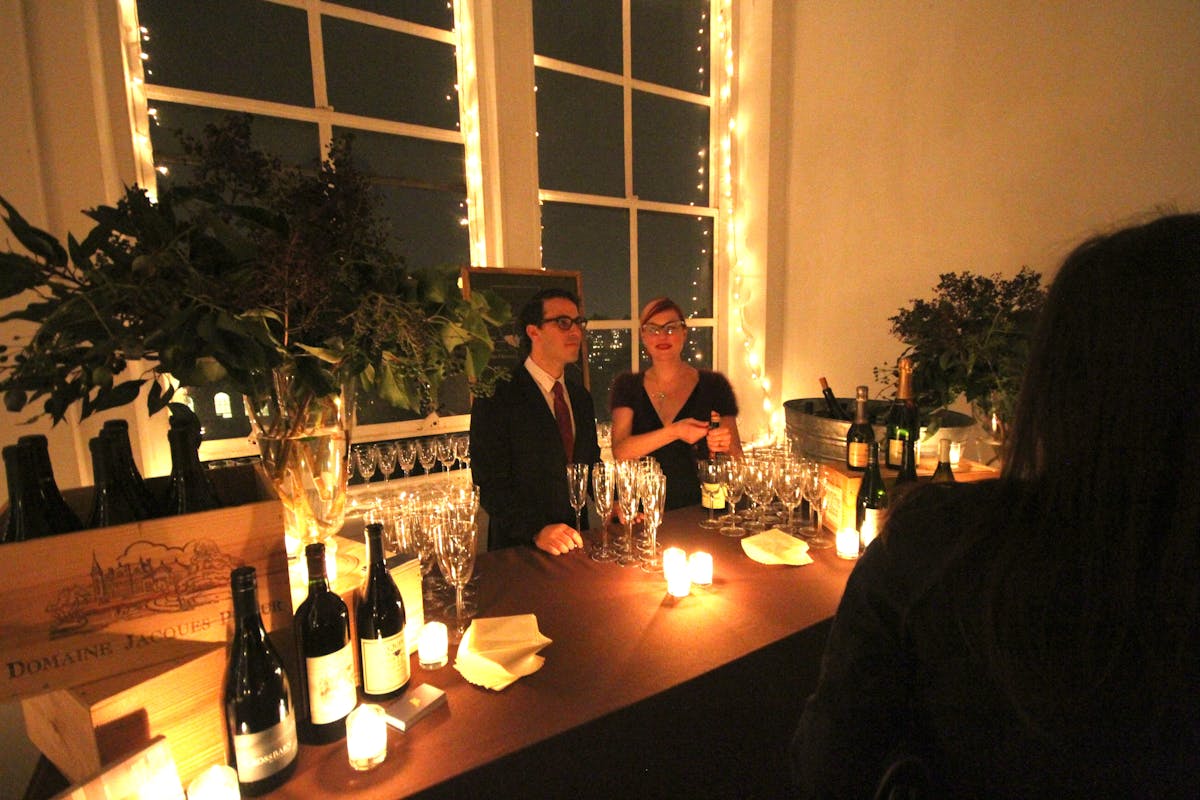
(660, 394)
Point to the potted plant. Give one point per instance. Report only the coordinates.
(278, 281)
(971, 339)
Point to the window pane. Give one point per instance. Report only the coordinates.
(580, 139)
(669, 39)
(594, 241)
(608, 355)
(585, 32)
(233, 47)
(670, 150)
(381, 73)
(434, 13)
(234, 424)
(295, 143)
(675, 260)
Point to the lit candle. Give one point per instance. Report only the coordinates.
(956, 449)
(218, 782)
(366, 736)
(675, 569)
(433, 645)
(846, 541)
(700, 569)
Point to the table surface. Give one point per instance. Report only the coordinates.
(618, 639)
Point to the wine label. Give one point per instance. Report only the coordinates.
(332, 690)
(895, 452)
(712, 495)
(384, 664)
(857, 454)
(260, 755)
(871, 525)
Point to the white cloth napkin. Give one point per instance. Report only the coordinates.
(496, 651)
(776, 547)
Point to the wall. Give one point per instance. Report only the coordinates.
(936, 137)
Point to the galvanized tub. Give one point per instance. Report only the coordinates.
(813, 434)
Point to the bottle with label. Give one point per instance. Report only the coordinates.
(328, 688)
(27, 518)
(872, 500)
(861, 434)
(831, 402)
(943, 472)
(60, 515)
(906, 479)
(380, 618)
(259, 715)
(189, 489)
(125, 471)
(112, 502)
(903, 421)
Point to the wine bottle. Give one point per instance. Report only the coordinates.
(260, 718)
(27, 518)
(328, 689)
(860, 435)
(381, 620)
(872, 499)
(61, 516)
(943, 472)
(907, 477)
(125, 471)
(112, 503)
(831, 402)
(189, 489)
(903, 421)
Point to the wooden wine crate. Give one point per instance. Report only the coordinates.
(842, 495)
(81, 607)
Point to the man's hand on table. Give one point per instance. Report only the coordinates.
(558, 539)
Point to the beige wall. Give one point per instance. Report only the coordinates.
(942, 136)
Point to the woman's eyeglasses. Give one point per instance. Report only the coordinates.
(565, 323)
(670, 329)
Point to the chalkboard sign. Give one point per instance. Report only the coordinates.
(517, 286)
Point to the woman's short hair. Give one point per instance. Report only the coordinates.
(657, 306)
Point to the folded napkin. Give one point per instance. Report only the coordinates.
(496, 651)
(776, 547)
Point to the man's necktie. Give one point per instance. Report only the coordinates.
(562, 415)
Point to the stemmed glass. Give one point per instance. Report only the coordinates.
(652, 488)
(733, 479)
(366, 459)
(789, 486)
(426, 454)
(815, 488)
(444, 448)
(454, 542)
(577, 486)
(462, 449)
(760, 488)
(710, 487)
(627, 504)
(406, 454)
(387, 460)
(603, 479)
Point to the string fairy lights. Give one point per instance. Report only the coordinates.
(468, 100)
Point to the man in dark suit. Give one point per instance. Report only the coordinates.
(523, 437)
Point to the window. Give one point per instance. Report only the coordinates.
(625, 110)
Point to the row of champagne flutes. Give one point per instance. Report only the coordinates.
(437, 524)
(625, 487)
(429, 451)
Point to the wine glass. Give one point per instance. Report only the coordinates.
(758, 486)
(577, 486)
(426, 454)
(462, 449)
(815, 489)
(444, 448)
(603, 478)
(710, 488)
(454, 542)
(733, 479)
(387, 460)
(406, 454)
(627, 504)
(366, 459)
(653, 491)
(789, 486)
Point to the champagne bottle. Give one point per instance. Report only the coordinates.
(903, 421)
(943, 473)
(112, 503)
(189, 489)
(861, 434)
(872, 500)
(27, 518)
(60, 515)
(125, 471)
(831, 402)
(907, 477)
(381, 620)
(328, 689)
(259, 715)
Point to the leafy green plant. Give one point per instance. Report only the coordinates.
(971, 338)
(249, 267)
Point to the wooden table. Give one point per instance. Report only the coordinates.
(639, 693)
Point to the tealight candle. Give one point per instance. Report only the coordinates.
(956, 449)
(218, 782)
(846, 541)
(700, 569)
(433, 645)
(366, 736)
(675, 570)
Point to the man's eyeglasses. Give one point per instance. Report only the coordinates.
(565, 323)
(670, 329)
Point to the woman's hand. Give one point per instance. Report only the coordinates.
(720, 440)
(689, 430)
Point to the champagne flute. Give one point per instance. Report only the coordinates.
(603, 477)
(815, 490)
(654, 497)
(710, 488)
(627, 504)
(577, 486)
